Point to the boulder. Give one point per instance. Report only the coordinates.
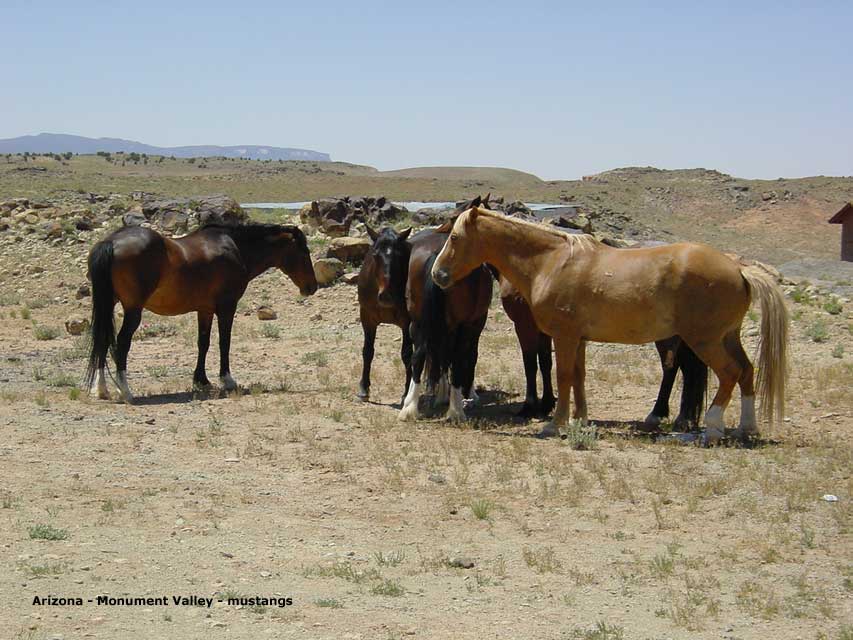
(518, 209)
(266, 313)
(327, 270)
(348, 249)
(133, 218)
(184, 214)
(76, 325)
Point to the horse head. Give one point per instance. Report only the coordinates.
(390, 253)
(459, 255)
(294, 258)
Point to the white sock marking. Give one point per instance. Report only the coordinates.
(456, 410)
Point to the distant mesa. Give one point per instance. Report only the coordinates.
(62, 143)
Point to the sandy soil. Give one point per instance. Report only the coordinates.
(293, 488)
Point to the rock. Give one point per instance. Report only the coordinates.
(133, 219)
(461, 562)
(351, 278)
(327, 270)
(184, 214)
(53, 230)
(266, 313)
(76, 325)
(349, 249)
(335, 216)
(518, 209)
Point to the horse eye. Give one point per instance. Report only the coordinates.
(454, 236)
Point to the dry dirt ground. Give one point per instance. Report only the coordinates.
(293, 488)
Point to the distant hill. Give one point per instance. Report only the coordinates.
(61, 143)
(496, 174)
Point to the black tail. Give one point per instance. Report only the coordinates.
(695, 383)
(103, 338)
(434, 325)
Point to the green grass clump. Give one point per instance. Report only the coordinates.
(818, 331)
(581, 438)
(387, 588)
(44, 332)
(832, 306)
(47, 532)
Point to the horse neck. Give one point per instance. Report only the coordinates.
(518, 251)
(258, 256)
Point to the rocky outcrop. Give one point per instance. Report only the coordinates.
(335, 216)
(327, 270)
(180, 215)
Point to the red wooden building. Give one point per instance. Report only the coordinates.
(845, 219)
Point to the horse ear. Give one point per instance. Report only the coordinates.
(486, 199)
(405, 233)
(472, 214)
(371, 232)
(476, 202)
(446, 227)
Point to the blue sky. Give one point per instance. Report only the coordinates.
(559, 89)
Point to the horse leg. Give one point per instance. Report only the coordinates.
(667, 352)
(367, 352)
(406, 357)
(546, 405)
(728, 372)
(580, 412)
(205, 320)
(409, 410)
(132, 318)
(528, 340)
(468, 389)
(567, 352)
(461, 369)
(442, 391)
(748, 425)
(225, 320)
(694, 374)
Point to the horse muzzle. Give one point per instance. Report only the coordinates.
(308, 289)
(441, 277)
(385, 298)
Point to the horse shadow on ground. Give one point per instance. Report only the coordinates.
(495, 415)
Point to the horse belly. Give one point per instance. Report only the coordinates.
(172, 297)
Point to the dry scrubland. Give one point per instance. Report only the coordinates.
(772, 220)
(379, 529)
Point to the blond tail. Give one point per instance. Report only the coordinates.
(773, 345)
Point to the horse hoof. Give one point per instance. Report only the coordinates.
(228, 383)
(454, 416)
(652, 421)
(407, 415)
(549, 431)
(363, 395)
(527, 410)
(546, 406)
(712, 437)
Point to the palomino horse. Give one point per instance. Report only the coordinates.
(536, 355)
(206, 271)
(446, 324)
(382, 298)
(580, 289)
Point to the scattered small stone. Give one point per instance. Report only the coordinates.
(266, 313)
(437, 478)
(461, 562)
(83, 291)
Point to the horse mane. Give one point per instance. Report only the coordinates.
(581, 241)
(256, 232)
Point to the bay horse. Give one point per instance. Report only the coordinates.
(206, 272)
(580, 289)
(382, 298)
(446, 323)
(536, 347)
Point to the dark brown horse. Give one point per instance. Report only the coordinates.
(206, 272)
(382, 298)
(445, 325)
(535, 346)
